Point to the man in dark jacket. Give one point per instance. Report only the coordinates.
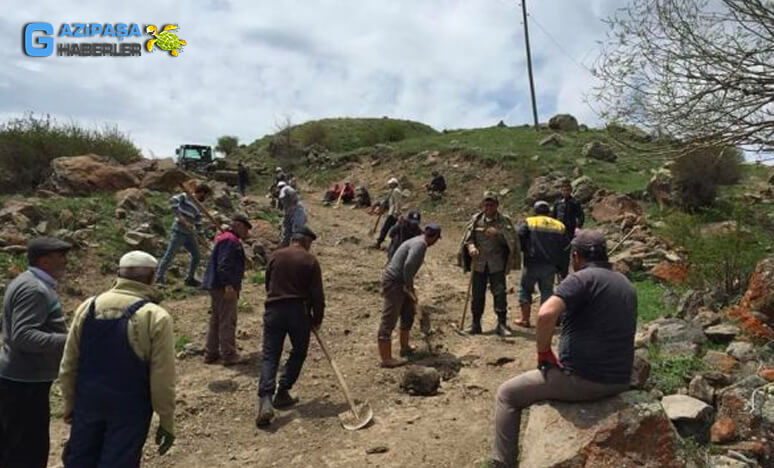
(33, 339)
(242, 179)
(406, 228)
(543, 243)
(569, 211)
(223, 279)
(437, 185)
(295, 304)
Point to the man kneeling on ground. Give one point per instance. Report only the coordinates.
(596, 345)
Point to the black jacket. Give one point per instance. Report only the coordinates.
(438, 184)
(570, 213)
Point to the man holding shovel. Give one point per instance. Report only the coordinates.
(295, 304)
(400, 298)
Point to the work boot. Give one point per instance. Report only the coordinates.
(405, 348)
(526, 310)
(475, 328)
(193, 282)
(385, 353)
(265, 412)
(283, 399)
(502, 328)
(211, 358)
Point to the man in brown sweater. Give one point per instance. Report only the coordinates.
(295, 304)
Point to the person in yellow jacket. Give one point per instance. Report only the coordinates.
(118, 368)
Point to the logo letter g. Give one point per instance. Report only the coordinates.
(44, 40)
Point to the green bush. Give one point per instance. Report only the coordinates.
(227, 144)
(699, 172)
(314, 134)
(28, 144)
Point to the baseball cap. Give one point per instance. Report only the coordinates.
(242, 219)
(414, 217)
(433, 229)
(138, 259)
(305, 231)
(490, 195)
(43, 245)
(281, 184)
(392, 180)
(541, 206)
(589, 239)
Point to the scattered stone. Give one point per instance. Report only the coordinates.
(377, 449)
(583, 189)
(759, 297)
(546, 188)
(721, 361)
(348, 240)
(706, 318)
(677, 337)
(722, 461)
(691, 417)
(223, 386)
(563, 122)
(670, 273)
(419, 380)
(131, 199)
(501, 361)
(15, 208)
(640, 369)
(630, 429)
(701, 389)
(723, 333)
(733, 402)
(140, 240)
(504, 192)
(599, 150)
(166, 177)
(767, 373)
(612, 207)
(742, 350)
(66, 218)
(553, 139)
(723, 430)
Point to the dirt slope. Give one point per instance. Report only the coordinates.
(216, 405)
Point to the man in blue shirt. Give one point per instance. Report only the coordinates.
(33, 337)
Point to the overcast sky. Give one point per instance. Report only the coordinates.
(248, 64)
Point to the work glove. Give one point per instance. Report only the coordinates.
(164, 439)
(547, 360)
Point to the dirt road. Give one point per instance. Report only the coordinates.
(216, 405)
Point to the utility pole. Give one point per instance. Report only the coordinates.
(529, 64)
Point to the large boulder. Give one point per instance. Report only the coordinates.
(421, 380)
(600, 151)
(83, 175)
(613, 207)
(630, 429)
(691, 417)
(676, 337)
(131, 199)
(758, 301)
(583, 189)
(547, 188)
(165, 177)
(13, 208)
(563, 122)
(734, 403)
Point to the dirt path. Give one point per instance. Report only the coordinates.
(216, 405)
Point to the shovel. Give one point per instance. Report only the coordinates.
(357, 417)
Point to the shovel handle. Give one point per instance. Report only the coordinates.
(467, 300)
(373, 230)
(201, 207)
(336, 371)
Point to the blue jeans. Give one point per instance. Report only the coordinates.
(179, 238)
(281, 319)
(540, 275)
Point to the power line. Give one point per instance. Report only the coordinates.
(560, 46)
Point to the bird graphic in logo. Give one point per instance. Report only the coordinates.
(164, 40)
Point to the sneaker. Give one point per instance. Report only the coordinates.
(283, 399)
(475, 329)
(503, 329)
(265, 412)
(192, 282)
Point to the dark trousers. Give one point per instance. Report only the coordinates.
(24, 420)
(99, 439)
(497, 286)
(389, 222)
(280, 319)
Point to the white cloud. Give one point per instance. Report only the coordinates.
(450, 64)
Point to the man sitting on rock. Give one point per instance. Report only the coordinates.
(362, 197)
(332, 195)
(348, 193)
(437, 186)
(596, 347)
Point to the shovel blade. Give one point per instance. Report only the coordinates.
(353, 422)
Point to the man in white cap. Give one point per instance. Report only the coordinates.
(394, 204)
(118, 368)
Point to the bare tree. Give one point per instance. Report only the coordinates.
(699, 70)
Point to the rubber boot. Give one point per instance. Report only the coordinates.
(502, 326)
(405, 347)
(265, 412)
(526, 310)
(385, 352)
(475, 326)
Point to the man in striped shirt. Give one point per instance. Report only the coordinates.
(188, 221)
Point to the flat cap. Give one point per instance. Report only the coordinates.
(305, 231)
(490, 195)
(433, 229)
(43, 245)
(586, 239)
(242, 219)
(393, 181)
(414, 217)
(138, 259)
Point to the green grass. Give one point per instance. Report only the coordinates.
(670, 373)
(650, 305)
(259, 277)
(181, 341)
(270, 216)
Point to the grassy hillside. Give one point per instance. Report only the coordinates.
(346, 134)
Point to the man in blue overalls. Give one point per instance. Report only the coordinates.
(119, 367)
